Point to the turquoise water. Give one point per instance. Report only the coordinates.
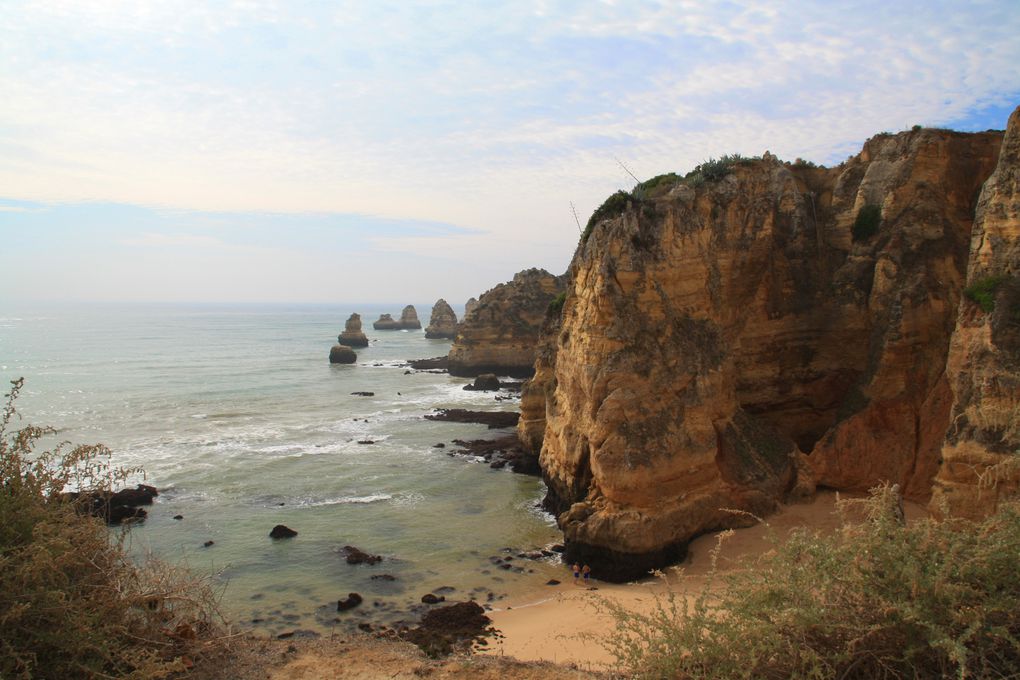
(241, 422)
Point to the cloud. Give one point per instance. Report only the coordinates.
(154, 240)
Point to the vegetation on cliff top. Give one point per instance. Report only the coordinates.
(929, 599)
(73, 604)
(711, 170)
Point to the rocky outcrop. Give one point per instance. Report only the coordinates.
(409, 318)
(385, 322)
(443, 322)
(750, 332)
(980, 465)
(352, 335)
(470, 307)
(408, 321)
(500, 335)
(342, 354)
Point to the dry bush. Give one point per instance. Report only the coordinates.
(879, 599)
(73, 604)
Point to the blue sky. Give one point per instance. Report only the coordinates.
(384, 151)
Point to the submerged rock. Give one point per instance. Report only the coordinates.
(357, 556)
(350, 602)
(494, 419)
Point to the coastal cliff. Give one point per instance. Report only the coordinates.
(979, 463)
(749, 332)
(500, 333)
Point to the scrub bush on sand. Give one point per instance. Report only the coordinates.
(73, 604)
(878, 599)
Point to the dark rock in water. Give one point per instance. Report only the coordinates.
(281, 531)
(178, 516)
(364, 394)
(366, 441)
(445, 589)
(501, 451)
(431, 598)
(552, 582)
(498, 464)
(494, 419)
(557, 548)
(208, 543)
(486, 382)
(440, 445)
(352, 335)
(384, 577)
(425, 364)
(117, 507)
(443, 630)
(367, 627)
(358, 556)
(352, 601)
(342, 354)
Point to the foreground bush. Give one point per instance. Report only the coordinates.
(932, 599)
(72, 602)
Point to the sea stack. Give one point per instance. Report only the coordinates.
(386, 323)
(352, 335)
(409, 318)
(342, 354)
(501, 334)
(443, 322)
(469, 307)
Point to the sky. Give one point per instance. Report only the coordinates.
(308, 152)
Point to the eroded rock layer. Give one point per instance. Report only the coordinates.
(501, 333)
(735, 338)
(409, 318)
(352, 335)
(980, 462)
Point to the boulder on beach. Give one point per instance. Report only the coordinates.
(352, 335)
(117, 507)
(486, 382)
(443, 322)
(342, 354)
(350, 602)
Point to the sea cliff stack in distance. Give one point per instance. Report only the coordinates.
(442, 322)
(500, 335)
(747, 332)
(409, 318)
(469, 307)
(385, 322)
(979, 456)
(352, 335)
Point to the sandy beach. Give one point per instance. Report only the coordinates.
(560, 623)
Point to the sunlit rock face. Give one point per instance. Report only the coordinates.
(979, 461)
(500, 334)
(727, 342)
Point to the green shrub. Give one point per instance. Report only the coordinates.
(556, 304)
(714, 169)
(611, 207)
(982, 291)
(656, 186)
(73, 604)
(866, 224)
(879, 599)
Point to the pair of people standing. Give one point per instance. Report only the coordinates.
(579, 571)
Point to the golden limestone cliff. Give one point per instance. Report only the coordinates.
(500, 333)
(749, 332)
(979, 453)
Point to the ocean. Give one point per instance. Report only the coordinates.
(237, 417)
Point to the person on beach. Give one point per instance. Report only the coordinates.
(577, 572)
(587, 574)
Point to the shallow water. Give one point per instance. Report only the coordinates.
(241, 422)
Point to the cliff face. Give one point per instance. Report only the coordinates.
(500, 334)
(726, 342)
(979, 453)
